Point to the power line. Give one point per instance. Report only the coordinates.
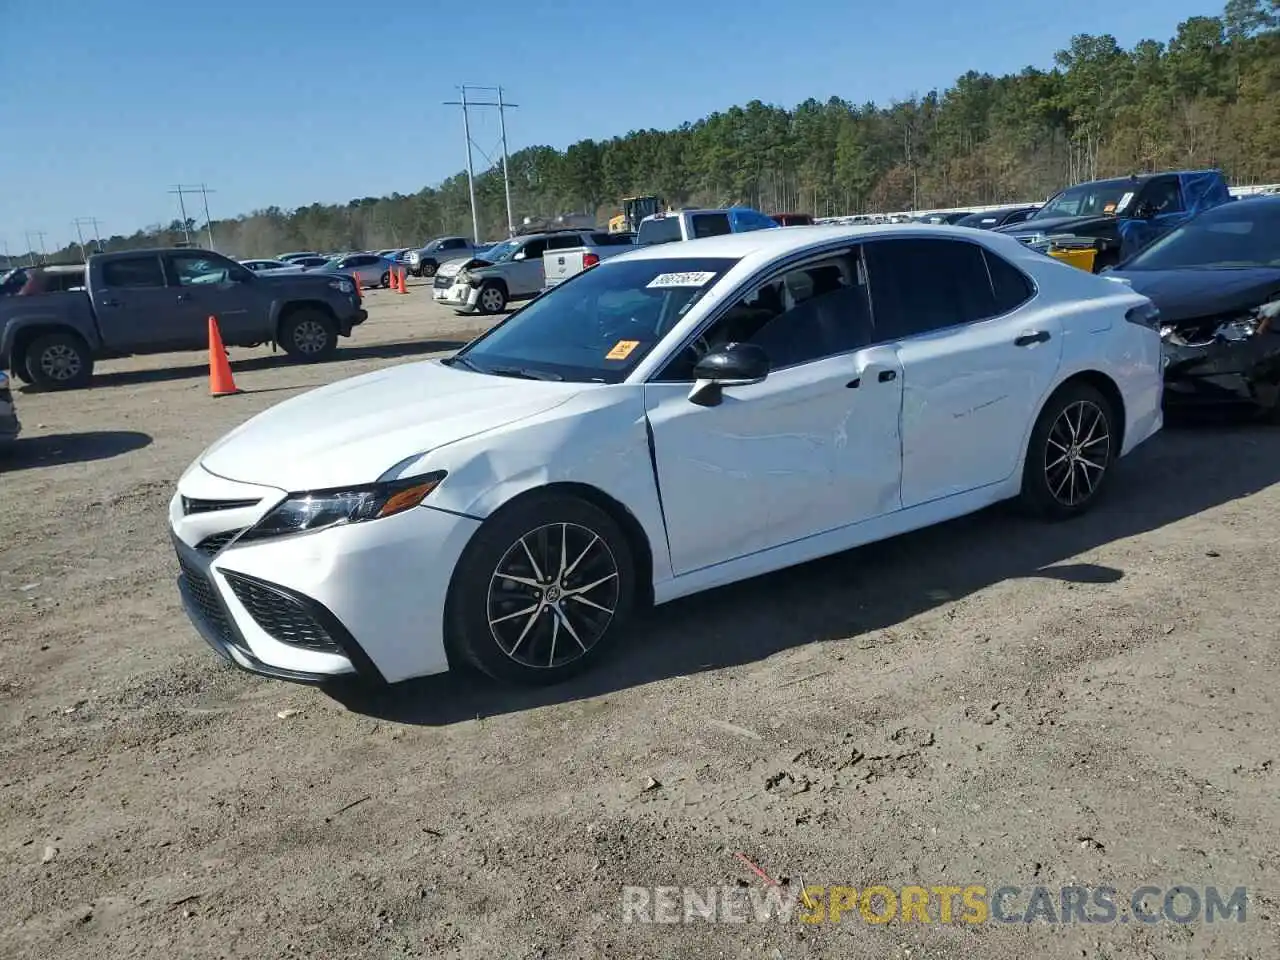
(31, 247)
(502, 106)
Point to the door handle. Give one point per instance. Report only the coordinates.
(854, 383)
(1027, 339)
(887, 375)
(183, 297)
(109, 302)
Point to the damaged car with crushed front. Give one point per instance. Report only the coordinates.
(1216, 283)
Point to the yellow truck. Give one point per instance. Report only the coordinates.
(635, 209)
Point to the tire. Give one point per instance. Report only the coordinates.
(485, 621)
(385, 281)
(427, 269)
(493, 297)
(1077, 421)
(308, 335)
(18, 367)
(58, 361)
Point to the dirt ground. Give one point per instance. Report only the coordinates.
(991, 702)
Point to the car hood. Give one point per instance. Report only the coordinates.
(351, 432)
(451, 268)
(1194, 294)
(1052, 225)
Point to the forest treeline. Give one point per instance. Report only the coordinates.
(1208, 97)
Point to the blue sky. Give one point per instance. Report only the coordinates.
(108, 102)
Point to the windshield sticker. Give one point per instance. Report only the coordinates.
(622, 349)
(1123, 202)
(697, 279)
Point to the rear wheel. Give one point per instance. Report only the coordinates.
(58, 361)
(1069, 457)
(309, 335)
(541, 591)
(493, 298)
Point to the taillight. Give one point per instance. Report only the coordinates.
(1145, 315)
(589, 260)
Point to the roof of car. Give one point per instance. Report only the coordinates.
(778, 242)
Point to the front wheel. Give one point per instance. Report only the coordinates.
(1072, 448)
(309, 335)
(427, 270)
(385, 280)
(543, 588)
(58, 361)
(493, 298)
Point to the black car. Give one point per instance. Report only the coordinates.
(990, 219)
(1216, 280)
(951, 217)
(1125, 214)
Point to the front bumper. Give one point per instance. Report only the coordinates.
(362, 601)
(9, 427)
(352, 321)
(459, 296)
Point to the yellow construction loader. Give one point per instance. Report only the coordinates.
(635, 209)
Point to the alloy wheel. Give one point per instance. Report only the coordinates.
(310, 336)
(1077, 453)
(60, 362)
(553, 595)
(491, 299)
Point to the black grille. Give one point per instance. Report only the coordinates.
(205, 597)
(442, 283)
(281, 617)
(210, 545)
(191, 505)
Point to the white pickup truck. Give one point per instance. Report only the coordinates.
(559, 265)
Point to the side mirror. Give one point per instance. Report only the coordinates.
(737, 365)
(520, 255)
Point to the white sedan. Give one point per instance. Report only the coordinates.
(671, 420)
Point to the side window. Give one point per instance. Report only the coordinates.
(534, 249)
(452, 243)
(709, 224)
(809, 313)
(958, 289)
(1161, 196)
(197, 269)
(1009, 284)
(133, 272)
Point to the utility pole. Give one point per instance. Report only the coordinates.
(208, 221)
(82, 222)
(32, 247)
(466, 130)
(182, 208)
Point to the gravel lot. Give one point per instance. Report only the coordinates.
(994, 701)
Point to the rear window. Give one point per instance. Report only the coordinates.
(613, 239)
(710, 224)
(133, 272)
(665, 230)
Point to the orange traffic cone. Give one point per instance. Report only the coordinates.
(221, 382)
(402, 286)
(359, 290)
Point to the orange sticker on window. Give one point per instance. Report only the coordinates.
(622, 349)
(1109, 208)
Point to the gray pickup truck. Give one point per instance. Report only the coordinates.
(157, 301)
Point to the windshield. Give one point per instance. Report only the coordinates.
(503, 251)
(1232, 235)
(597, 326)
(1103, 198)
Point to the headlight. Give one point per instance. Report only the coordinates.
(342, 286)
(327, 508)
